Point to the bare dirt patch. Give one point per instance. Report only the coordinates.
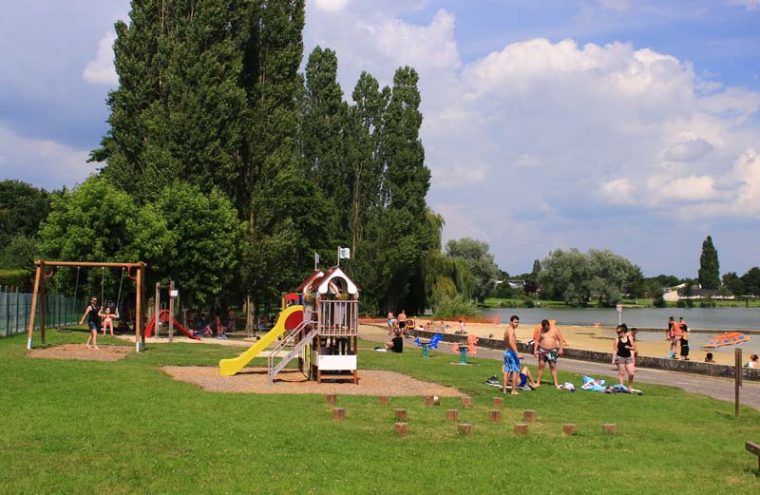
(256, 381)
(81, 352)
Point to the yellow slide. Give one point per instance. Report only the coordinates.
(228, 367)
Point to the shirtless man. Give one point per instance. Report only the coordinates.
(511, 366)
(549, 346)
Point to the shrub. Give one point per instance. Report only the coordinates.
(447, 307)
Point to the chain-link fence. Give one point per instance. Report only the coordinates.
(16, 307)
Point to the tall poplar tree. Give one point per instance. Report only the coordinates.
(709, 267)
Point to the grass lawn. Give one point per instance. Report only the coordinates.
(126, 427)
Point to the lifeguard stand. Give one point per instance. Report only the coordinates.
(326, 342)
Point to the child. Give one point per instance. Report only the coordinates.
(709, 358)
(108, 318)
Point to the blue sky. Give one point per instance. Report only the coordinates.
(609, 124)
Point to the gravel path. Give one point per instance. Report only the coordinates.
(718, 388)
(81, 352)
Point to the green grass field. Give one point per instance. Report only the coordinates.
(126, 427)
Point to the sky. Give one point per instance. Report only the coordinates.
(629, 125)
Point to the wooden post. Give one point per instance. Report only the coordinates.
(464, 428)
(568, 429)
(521, 428)
(452, 415)
(428, 400)
(43, 304)
(384, 401)
(139, 309)
(401, 428)
(737, 379)
(494, 415)
(400, 414)
(35, 293)
(529, 416)
(339, 414)
(331, 399)
(466, 401)
(171, 311)
(157, 309)
(498, 402)
(610, 428)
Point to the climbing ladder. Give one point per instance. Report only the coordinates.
(299, 339)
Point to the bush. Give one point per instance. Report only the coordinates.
(659, 301)
(681, 303)
(447, 307)
(23, 279)
(529, 303)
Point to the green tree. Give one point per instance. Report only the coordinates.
(610, 275)
(565, 275)
(22, 209)
(206, 235)
(733, 284)
(709, 268)
(20, 252)
(751, 281)
(480, 263)
(98, 222)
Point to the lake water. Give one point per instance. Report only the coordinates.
(697, 318)
(718, 319)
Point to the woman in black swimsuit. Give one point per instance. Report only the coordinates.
(623, 352)
(93, 321)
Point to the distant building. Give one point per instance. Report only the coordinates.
(677, 293)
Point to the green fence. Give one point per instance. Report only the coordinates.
(16, 307)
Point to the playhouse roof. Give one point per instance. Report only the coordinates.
(309, 281)
(322, 284)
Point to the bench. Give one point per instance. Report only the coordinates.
(754, 449)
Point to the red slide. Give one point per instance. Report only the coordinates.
(164, 315)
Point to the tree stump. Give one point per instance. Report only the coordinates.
(498, 401)
(466, 401)
(521, 428)
(339, 414)
(401, 414)
(529, 415)
(428, 400)
(568, 429)
(610, 428)
(402, 428)
(331, 399)
(452, 414)
(464, 428)
(384, 401)
(494, 415)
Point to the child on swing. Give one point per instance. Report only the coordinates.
(108, 318)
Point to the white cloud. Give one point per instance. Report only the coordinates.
(618, 191)
(101, 70)
(331, 5)
(41, 162)
(541, 137)
(748, 4)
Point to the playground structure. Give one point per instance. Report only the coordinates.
(39, 293)
(321, 332)
(164, 318)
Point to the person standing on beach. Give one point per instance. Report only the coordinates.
(402, 321)
(511, 367)
(623, 352)
(549, 346)
(671, 336)
(391, 323)
(684, 342)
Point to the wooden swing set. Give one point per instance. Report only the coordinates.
(39, 293)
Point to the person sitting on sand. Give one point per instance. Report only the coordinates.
(107, 318)
(753, 363)
(709, 358)
(623, 351)
(549, 346)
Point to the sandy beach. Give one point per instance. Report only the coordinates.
(601, 339)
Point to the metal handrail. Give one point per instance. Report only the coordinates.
(289, 338)
(275, 370)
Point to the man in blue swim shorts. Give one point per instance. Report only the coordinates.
(511, 367)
